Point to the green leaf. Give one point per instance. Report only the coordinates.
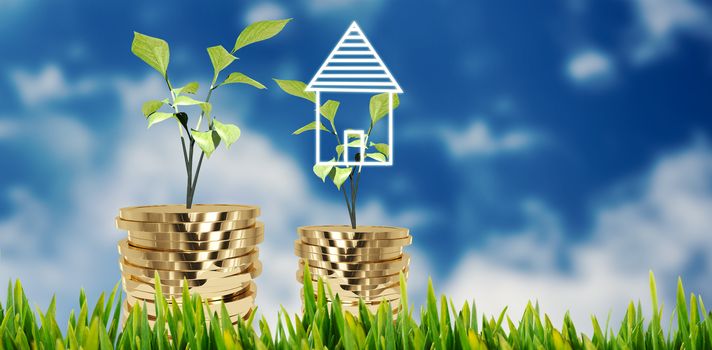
(339, 150)
(378, 106)
(377, 156)
(208, 141)
(381, 147)
(190, 88)
(158, 117)
(340, 176)
(183, 119)
(151, 106)
(259, 31)
(322, 171)
(186, 101)
(220, 59)
(239, 78)
(310, 126)
(329, 108)
(153, 51)
(355, 143)
(229, 133)
(296, 88)
(207, 108)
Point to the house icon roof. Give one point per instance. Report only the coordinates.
(354, 66)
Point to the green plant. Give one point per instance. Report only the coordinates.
(156, 53)
(378, 108)
(441, 326)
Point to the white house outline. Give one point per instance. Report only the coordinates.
(353, 65)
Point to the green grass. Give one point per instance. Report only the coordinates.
(442, 326)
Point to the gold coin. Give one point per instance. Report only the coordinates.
(124, 265)
(355, 284)
(198, 213)
(132, 286)
(170, 245)
(241, 262)
(242, 293)
(395, 264)
(348, 254)
(221, 279)
(368, 294)
(316, 249)
(183, 227)
(353, 280)
(133, 253)
(348, 274)
(213, 297)
(344, 243)
(349, 299)
(347, 232)
(395, 303)
(243, 233)
(353, 308)
(138, 285)
(212, 283)
(347, 258)
(152, 319)
(371, 301)
(365, 294)
(357, 289)
(239, 306)
(355, 301)
(244, 267)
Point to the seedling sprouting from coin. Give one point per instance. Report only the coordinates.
(155, 52)
(352, 67)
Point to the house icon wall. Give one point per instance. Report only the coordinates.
(353, 66)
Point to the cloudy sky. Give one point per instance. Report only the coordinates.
(553, 152)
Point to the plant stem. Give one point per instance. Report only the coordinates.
(195, 179)
(348, 207)
(189, 191)
(355, 196)
(353, 200)
(202, 113)
(187, 156)
(355, 183)
(352, 211)
(194, 184)
(187, 169)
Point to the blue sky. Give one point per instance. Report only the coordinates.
(544, 151)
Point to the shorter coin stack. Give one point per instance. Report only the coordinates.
(361, 263)
(212, 247)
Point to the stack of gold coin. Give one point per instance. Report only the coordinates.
(362, 263)
(212, 248)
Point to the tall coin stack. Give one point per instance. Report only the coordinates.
(362, 263)
(212, 247)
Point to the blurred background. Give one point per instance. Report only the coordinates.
(553, 151)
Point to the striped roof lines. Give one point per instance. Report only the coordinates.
(354, 66)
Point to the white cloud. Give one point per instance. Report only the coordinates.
(344, 11)
(64, 138)
(265, 11)
(479, 139)
(663, 226)
(590, 67)
(48, 85)
(659, 22)
(147, 168)
(7, 128)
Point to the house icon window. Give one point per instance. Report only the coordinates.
(354, 66)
